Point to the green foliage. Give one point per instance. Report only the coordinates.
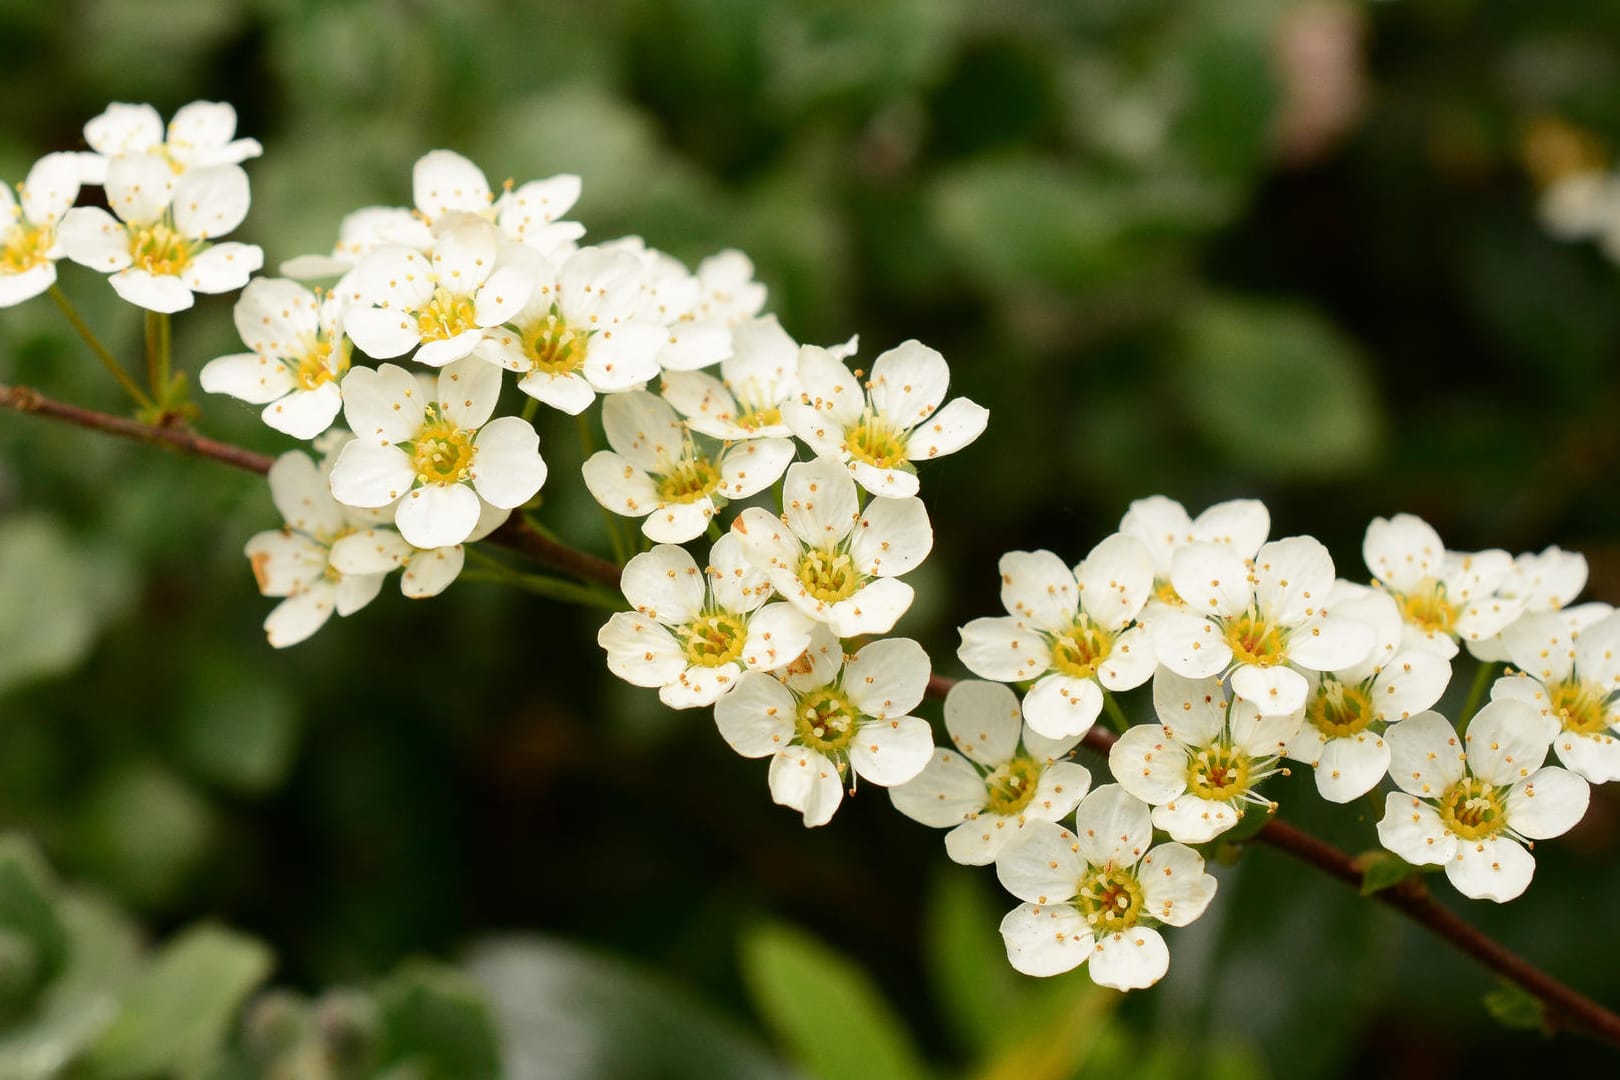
(70, 594)
(1381, 870)
(1514, 1007)
(434, 1025)
(825, 1009)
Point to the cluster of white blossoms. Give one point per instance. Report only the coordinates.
(1255, 650)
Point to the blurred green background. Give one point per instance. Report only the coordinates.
(1206, 248)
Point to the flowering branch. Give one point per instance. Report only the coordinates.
(1566, 1007)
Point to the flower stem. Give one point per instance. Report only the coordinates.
(569, 592)
(153, 381)
(98, 348)
(1116, 715)
(1476, 694)
(587, 446)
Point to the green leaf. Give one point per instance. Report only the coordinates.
(38, 943)
(46, 573)
(825, 1009)
(177, 1013)
(1511, 1005)
(1276, 388)
(144, 829)
(571, 1014)
(971, 977)
(435, 1025)
(1381, 870)
(238, 725)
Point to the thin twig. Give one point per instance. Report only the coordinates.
(1566, 1008)
(107, 359)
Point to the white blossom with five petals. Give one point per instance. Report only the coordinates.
(299, 357)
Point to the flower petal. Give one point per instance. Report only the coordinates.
(1046, 940)
(436, 515)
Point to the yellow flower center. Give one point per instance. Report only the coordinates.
(159, 250)
(1338, 710)
(443, 453)
(753, 418)
(445, 316)
(1079, 650)
(554, 347)
(1220, 774)
(1111, 900)
(829, 576)
(1165, 593)
(875, 443)
(1578, 707)
(1255, 640)
(826, 721)
(25, 247)
(692, 478)
(712, 640)
(316, 368)
(1012, 786)
(1472, 809)
(1427, 608)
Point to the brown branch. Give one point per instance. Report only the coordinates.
(1567, 1008)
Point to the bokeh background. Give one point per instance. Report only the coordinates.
(1208, 248)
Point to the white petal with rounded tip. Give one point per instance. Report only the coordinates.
(91, 237)
(139, 188)
(1193, 710)
(1039, 589)
(1061, 707)
(443, 181)
(1426, 755)
(124, 129)
(618, 485)
(621, 358)
(1506, 742)
(1412, 829)
(247, 377)
(676, 523)
(829, 388)
(705, 402)
(165, 295)
(468, 390)
(437, 515)
(464, 255)
(1212, 579)
(449, 350)
(382, 333)
(1594, 757)
(1113, 828)
(211, 201)
(1496, 869)
(641, 651)
(734, 581)
(819, 502)
(1003, 649)
(508, 470)
(1192, 820)
(1408, 684)
(1241, 524)
(1130, 663)
(1115, 580)
(202, 125)
(1293, 576)
(1059, 790)
(1349, 767)
(778, 634)
(644, 429)
(1275, 691)
(305, 414)
(223, 267)
(1163, 526)
(980, 840)
(303, 496)
(355, 591)
(821, 663)
(892, 537)
(503, 296)
(1549, 803)
(948, 430)
(15, 288)
(807, 782)
(1188, 645)
(1402, 551)
(699, 687)
(1046, 940)
(1042, 866)
(824, 438)
(1598, 653)
(874, 609)
(1149, 764)
(1131, 959)
(756, 718)
(1331, 644)
(884, 483)
(276, 317)
(891, 751)
(664, 584)
(887, 678)
(300, 615)
(1262, 735)
(537, 203)
(371, 551)
(748, 468)
(908, 382)
(567, 393)
(392, 277)
(984, 721)
(689, 346)
(383, 405)
(51, 188)
(284, 562)
(1174, 884)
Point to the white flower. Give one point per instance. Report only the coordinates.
(29, 245)
(200, 134)
(1005, 776)
(1569, 671)
(1347, 711)
(1072, 631)
(1540, 582)
(1474, 810)
(828, 715)
(299, 356)
(157, 249)
(880, 430)
(359, 234)
(426, 571)
(400, 299)
(578, 336)
(1264, 622)
(835, 563)
(1099, 893)
(1581, 205)
(694, 631)
(727, 292)
(1443, 595)
(294, 561)
(658, 471)
(437, 457)
(445, 184)
(756, 380)
(1200, 765)
(1163, 525)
